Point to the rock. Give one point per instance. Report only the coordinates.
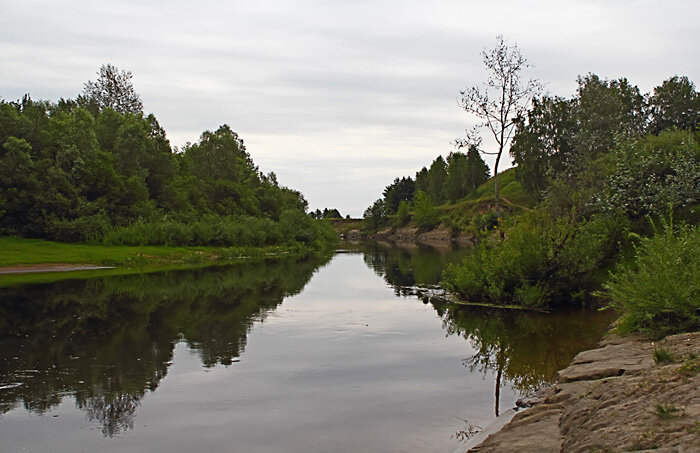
(613, 398)
(613, 359)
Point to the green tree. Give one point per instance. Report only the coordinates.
(112, 89)
(398, 191)
(436, 180)
(375, 215)
(402, 213)
(422, 180)
(607, 113)
(425, 215)
(675, 103)
(544, 143)
(455, 186)
(220, 155)
(477, 172)
(18, 187)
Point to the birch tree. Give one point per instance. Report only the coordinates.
(500, 101)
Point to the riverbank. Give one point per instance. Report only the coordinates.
(628, 394)
(441, 235)
(39, 261)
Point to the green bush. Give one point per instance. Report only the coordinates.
(542, 262)
(82, 229)
(485, 222)
(653, 173)
(659, 294)
(402, 214)
(425, 215)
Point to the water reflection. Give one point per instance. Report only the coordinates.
(524, 349)
(342, 351)
(411, 266)
(108, 341)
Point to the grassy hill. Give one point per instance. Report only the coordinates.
(473, 213)
(513, 197)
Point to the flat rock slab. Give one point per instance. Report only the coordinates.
(535, 430)
(614, 398)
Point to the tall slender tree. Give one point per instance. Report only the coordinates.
(501, 100)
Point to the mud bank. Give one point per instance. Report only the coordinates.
(613, 398)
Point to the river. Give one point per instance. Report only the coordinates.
(346, 353)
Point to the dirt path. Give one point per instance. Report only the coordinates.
(49, 267)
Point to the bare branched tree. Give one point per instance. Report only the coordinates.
(113, 89)
(501, 100)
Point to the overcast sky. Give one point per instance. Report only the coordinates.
(336, 97)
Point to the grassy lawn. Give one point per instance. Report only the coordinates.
(127, 259)
(14, 251)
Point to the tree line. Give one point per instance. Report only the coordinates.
(446, 180)
(97, 168)
(559, 137)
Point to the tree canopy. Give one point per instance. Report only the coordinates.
(113, 89)
(79, 170)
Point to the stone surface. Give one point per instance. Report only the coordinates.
(613, 398)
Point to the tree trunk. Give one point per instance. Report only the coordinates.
(499, 375)
(495, 180)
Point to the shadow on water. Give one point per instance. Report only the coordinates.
(108, 341)
(524, 349)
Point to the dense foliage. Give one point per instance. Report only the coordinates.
(96, 169)
(445, 181)
(659, 292)
(603, 163)
(561, 137)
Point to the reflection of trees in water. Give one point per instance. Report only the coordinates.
(404, 268)
(114, 413)
(522, 348)
(107, 341)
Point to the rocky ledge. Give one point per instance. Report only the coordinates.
(621, 396)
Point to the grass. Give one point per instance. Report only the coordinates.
(14, 251)
(129, 259)
(509, 188)
(662, 355)
(658, 294)
(667, 410)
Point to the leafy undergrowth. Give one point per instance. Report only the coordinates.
(658, 294)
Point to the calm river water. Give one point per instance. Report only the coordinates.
(335, 355)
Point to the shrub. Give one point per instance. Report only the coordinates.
(653, 173)
(485, 222)
(425, 215)
(542, 262)
(82, 229)
(402, 214)
(294, 227)
(659, 294)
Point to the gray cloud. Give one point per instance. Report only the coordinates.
(337, 98)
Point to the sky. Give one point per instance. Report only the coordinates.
(338, 98)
